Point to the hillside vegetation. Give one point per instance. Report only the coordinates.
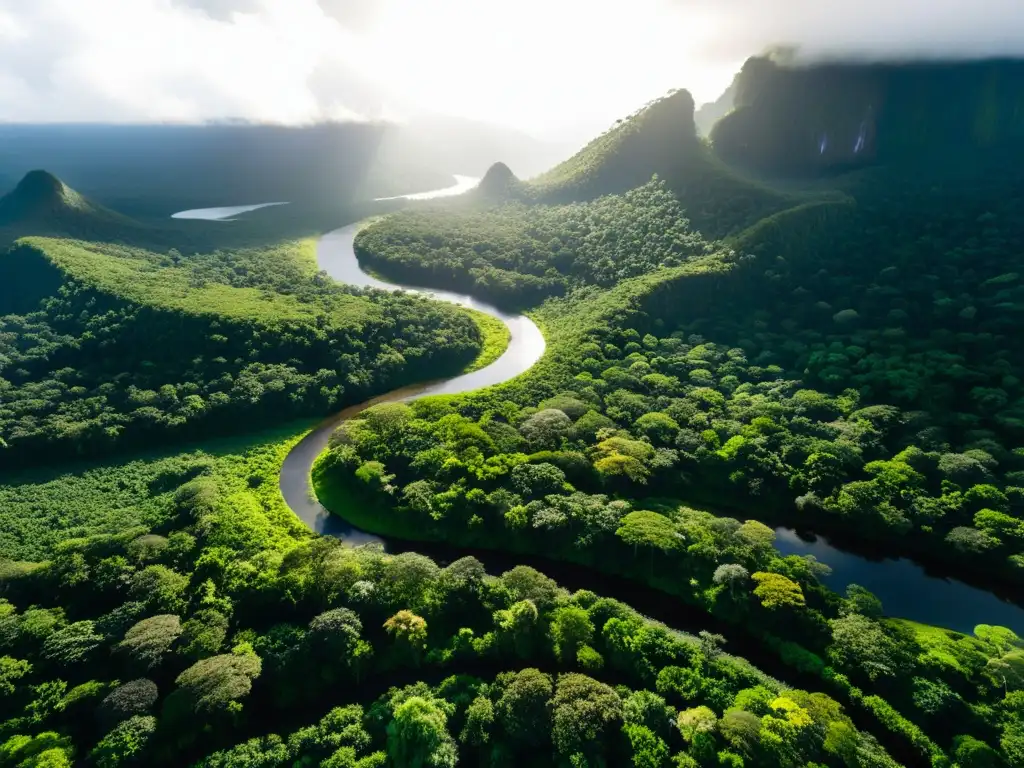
(518, 254)
(845, 360)
(106, 346)
(40, 196)
(661, 139)
(42, 508)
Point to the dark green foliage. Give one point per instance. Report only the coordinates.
(212, 687)
(135, 697)
(203, 635)
(125, 744)
(110, 340)
(523, 710)
(146, 643)
(585, 717)
(829, 118)
(418, 736)
(151, 705)
(73, 644)
(519, 254)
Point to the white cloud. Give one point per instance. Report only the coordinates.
(554, 66)
(163, 60)
(866, 28)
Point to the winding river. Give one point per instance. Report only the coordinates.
(904, 587)
(462, 184)
(337, 257)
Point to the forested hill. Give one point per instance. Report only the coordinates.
(653, 139)
(661, 139)
(799, 120)
(43, 201)
(499, 183)
(112, 338)
(42, 204)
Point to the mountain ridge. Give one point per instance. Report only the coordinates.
(807, 119)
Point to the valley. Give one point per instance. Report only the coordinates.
(510, 471)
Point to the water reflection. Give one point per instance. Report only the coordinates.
(220, 214)
(904, 587)
(462, 184)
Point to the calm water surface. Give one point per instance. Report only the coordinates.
(905, 588)
(220, 214)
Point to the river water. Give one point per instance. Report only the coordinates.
(904, 587)
(220, 214)
(462, 184)
(337, 257)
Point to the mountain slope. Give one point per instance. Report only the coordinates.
(42, 203)
(711, 112)
(40, 194)
(808, 120)
(661, 139)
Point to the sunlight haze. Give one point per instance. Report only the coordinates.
(560, 70)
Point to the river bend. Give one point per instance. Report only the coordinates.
(905, 588)
(337, 258)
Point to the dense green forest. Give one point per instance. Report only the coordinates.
(834, 349)
(570, 478)
(848, 364)
(157, 647)
(517, 254)
(107, 346)
(876, 336)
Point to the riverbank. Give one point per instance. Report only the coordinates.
(496, 337)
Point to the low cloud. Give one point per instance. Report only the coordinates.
(222, 10)
(561, 66)
(859, 29)
(178, 60)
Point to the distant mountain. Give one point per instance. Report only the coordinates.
(499, 183)
(155, 170)
(45, 203)
(661, 139)
(798, 120)
(711, 112)
(466, 147)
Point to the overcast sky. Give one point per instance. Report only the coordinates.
(555, 68)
